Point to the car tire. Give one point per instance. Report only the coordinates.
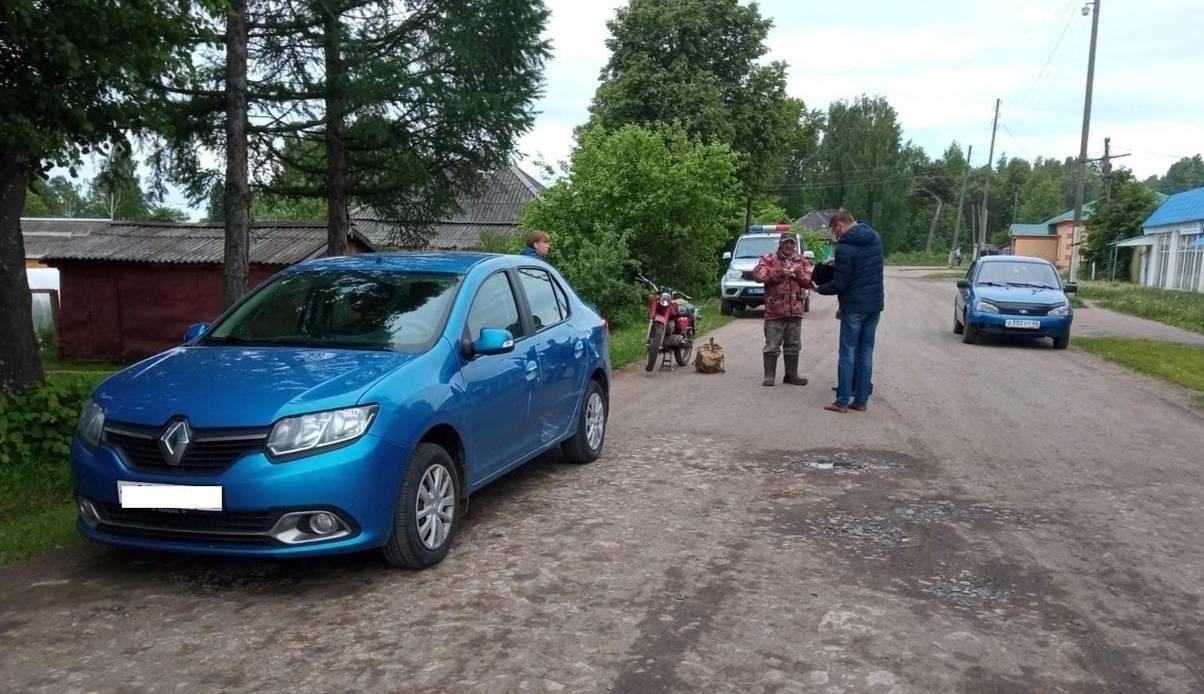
(655, 339)
(1061, 342)
(725, 307)
(585, 445)
(958, 328)
(432, 479)
(969, 334)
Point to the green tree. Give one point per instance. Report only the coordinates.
(646, 199)
(116, 191)
(74, 74)
(696, 63)
(1041, 195)
(1185, 174)
(1120, 216)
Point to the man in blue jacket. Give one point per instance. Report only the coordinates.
(858, 285)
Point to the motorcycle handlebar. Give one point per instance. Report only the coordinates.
(658, 288)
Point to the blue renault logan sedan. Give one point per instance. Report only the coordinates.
(347, 403)
(1013, 295)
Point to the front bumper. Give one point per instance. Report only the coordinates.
(996, 324)
(359, 483)
(742, 291)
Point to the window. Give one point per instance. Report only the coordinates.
(547, 307)
(494, 307)
(1019, 273)
(366, 309)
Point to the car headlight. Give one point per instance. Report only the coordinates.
(292, 436)
(986, 307)
(1063, 310)
(734, 274)
(91, 424)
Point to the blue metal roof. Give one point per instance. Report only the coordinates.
(452, 262)
(1181, 207)
(1030, 230)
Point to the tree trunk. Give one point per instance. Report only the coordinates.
(936, 218)
(336, 148)
(237, 189)
(20, 363)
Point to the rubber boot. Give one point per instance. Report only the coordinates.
(771, 369)
(792, 377)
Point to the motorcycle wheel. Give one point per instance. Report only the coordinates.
(682, 354)
(655, 338)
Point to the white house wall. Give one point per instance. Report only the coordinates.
(1170, 243)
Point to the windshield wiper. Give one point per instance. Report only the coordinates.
(990, 284)
(1030, 284)
(228, 341)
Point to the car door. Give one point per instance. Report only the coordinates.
(501, 389)
(561, 349)
(963, 295)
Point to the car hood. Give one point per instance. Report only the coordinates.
(743, 264)
(241, 386)
(1021, 295)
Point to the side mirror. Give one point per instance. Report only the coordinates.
(493, 341)
(195, 330)
(727, 255)
(1071, 287)
(963, 284)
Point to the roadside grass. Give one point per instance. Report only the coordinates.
(627, 343)
(1172, 362)
(919, 259)
(1181, 309)
(37, 511)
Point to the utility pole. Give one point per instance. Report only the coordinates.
(1106, 166)
(986, 190)
(961, 203)
(1092, 8)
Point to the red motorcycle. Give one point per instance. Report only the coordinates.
(671, 319)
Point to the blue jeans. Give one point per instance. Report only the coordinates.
(855, 367)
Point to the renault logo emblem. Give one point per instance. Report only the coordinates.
(1024, 310)
(173, 444)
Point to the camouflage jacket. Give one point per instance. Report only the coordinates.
(785, 282)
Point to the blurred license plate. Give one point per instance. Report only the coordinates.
(755, 290)
(1016, 323)
(171, 496)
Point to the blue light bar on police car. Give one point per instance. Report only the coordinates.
(766, 228)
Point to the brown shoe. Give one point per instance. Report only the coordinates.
(833, 407)
(857, 408)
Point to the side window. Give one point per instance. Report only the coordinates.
(494, 307)
(547, 308)
(970, 271)
(562, 300)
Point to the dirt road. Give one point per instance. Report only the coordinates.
(1005, 518)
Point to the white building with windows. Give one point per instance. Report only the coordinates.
(1172, 246)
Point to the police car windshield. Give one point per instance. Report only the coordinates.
(756, 246)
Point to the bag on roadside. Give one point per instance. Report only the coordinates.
(708, 359)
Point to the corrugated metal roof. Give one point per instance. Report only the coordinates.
(1068, 215)
(272, 243)
(815, 220)
(1187, 206)
(44, 237)
(1030, 230)
(497, 204)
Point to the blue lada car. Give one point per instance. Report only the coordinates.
(1013, 295)
(346, 404)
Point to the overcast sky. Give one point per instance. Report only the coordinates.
(942, 63)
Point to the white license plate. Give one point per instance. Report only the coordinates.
(1017, 323)
(171, 496)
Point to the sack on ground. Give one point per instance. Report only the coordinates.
(708, 359)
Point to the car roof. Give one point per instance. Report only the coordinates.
(449, 262)
(1013, 259)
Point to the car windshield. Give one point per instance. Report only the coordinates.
(1019, 274)
(369, 309)
(757, 246)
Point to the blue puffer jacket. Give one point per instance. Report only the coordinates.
(857, 277)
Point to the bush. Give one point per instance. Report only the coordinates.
(37, 426)
(491, 241)
(919, 258)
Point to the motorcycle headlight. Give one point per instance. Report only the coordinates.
(734, 274)
(1063, 310)
(91, 424)
(986, 307)
(306, 433)
(665, 299)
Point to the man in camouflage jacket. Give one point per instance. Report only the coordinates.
(785, 275)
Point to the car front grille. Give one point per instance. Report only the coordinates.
(1024, 309)
(209, 452)
(247, 528)
(747, 275)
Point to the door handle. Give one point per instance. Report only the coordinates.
(532, 370)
